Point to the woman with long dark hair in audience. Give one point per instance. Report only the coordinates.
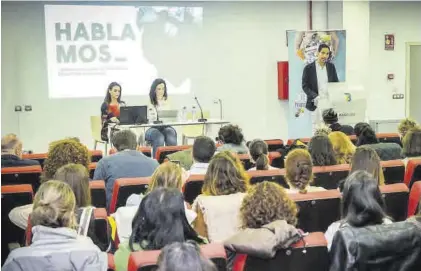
(110, 108)
(160, 221)
(367, 136)
(56, 244)
(321, 151)
(366, 158)
(362, 204)
(259, 155)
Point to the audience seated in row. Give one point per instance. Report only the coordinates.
(362, 204)
(56, 244)
(11, 153)
(342, 146)
(126, 163)
(321, 151)
(232, 139)
(259, 155)
(224, 188)
(412, 145)
(365, 158)
(159, 221)
(330, 118)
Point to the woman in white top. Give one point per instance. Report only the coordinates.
(259, 155)
(362, 204)
(161, 135)
(299, 172)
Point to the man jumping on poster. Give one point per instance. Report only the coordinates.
(316, 77)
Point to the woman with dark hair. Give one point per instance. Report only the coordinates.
(412, 145)
(160, 221)
(259, 154)
(367, 136)
(110, 108)
(359, 127)
(362, 204)
(160, 135)
(183, 256)
(321, 151)
(232, 139)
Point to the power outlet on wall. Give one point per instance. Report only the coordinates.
(28, 108)
(397, 96)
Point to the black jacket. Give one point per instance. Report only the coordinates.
(309, 82)
(10, 160)
(392, 247)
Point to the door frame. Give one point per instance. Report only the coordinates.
(408, 73)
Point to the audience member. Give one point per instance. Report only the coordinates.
(322, 130)
(56, 245)
(405, 125)
(367, 136)
(126, 163)
(268, 219)
(412, 145)
(232, 139)
(185, 157)
(359, 127)
(330, 117)
(259, 155)
(362, 204)
(183, 256)
(342, 146)
(299, 172)
(11, 153)
(366, 158)
(321, 151)
(203, 150)
(159, 221)
(222, 193)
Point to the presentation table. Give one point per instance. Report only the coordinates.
(169, 123)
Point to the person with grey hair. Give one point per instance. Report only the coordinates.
(126, 163)
(183, 256)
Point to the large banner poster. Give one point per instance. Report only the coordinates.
(303, 49)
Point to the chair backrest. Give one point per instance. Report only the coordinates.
(92, 167)
(96, 125)
(329, 177)
(396, 197)
(21, 175)
(305, 140)
(193, 187)
(163, 151)
(311, 254)
(276, 160)
(102, 228)
(414, 198)
(245, 159)
(276, 175)
(40, 157)
(413, 172)
(96, 155)
(125, 187)
(145, 150)
(274, 144)
(389, 138)
(317, 210)
(12, 196)
(147, 260)
(98, 194)
(393, 171)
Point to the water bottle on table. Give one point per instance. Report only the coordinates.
(151, 115)
(182, 114)
(193, 113)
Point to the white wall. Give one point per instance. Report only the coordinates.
(242, 42)
(404, 20)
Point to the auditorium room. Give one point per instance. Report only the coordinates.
(211, 135)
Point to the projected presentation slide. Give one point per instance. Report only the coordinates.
(90, 46)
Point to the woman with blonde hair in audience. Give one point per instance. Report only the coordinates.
(343, 147)
(299, 172)
(268, 218)
(224, 188)
(366, 158)
(412, 145)
(405, 125)
(259, 155)
(56, 244)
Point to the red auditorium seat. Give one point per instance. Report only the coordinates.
(193, 187)
(413, 172)
(329, 177)
(389, 138)
(393, 171)
(98, 195)
(245, 159)
(96, 155)
(304, 140)
(396, 197)
(125, 187)
(21, 175)
(145, 150)
(102, 228)
(317, 210)
(414, 198)
(92, 167)
(162, 152)
(276, 175)
(147, 260)
(274, 144)
(276, 159)
(310, 254)
(12, 196)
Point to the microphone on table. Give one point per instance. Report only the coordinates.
(157, 121)
(202, 119)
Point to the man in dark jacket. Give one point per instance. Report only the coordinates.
(330, 118)
(11, 153)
